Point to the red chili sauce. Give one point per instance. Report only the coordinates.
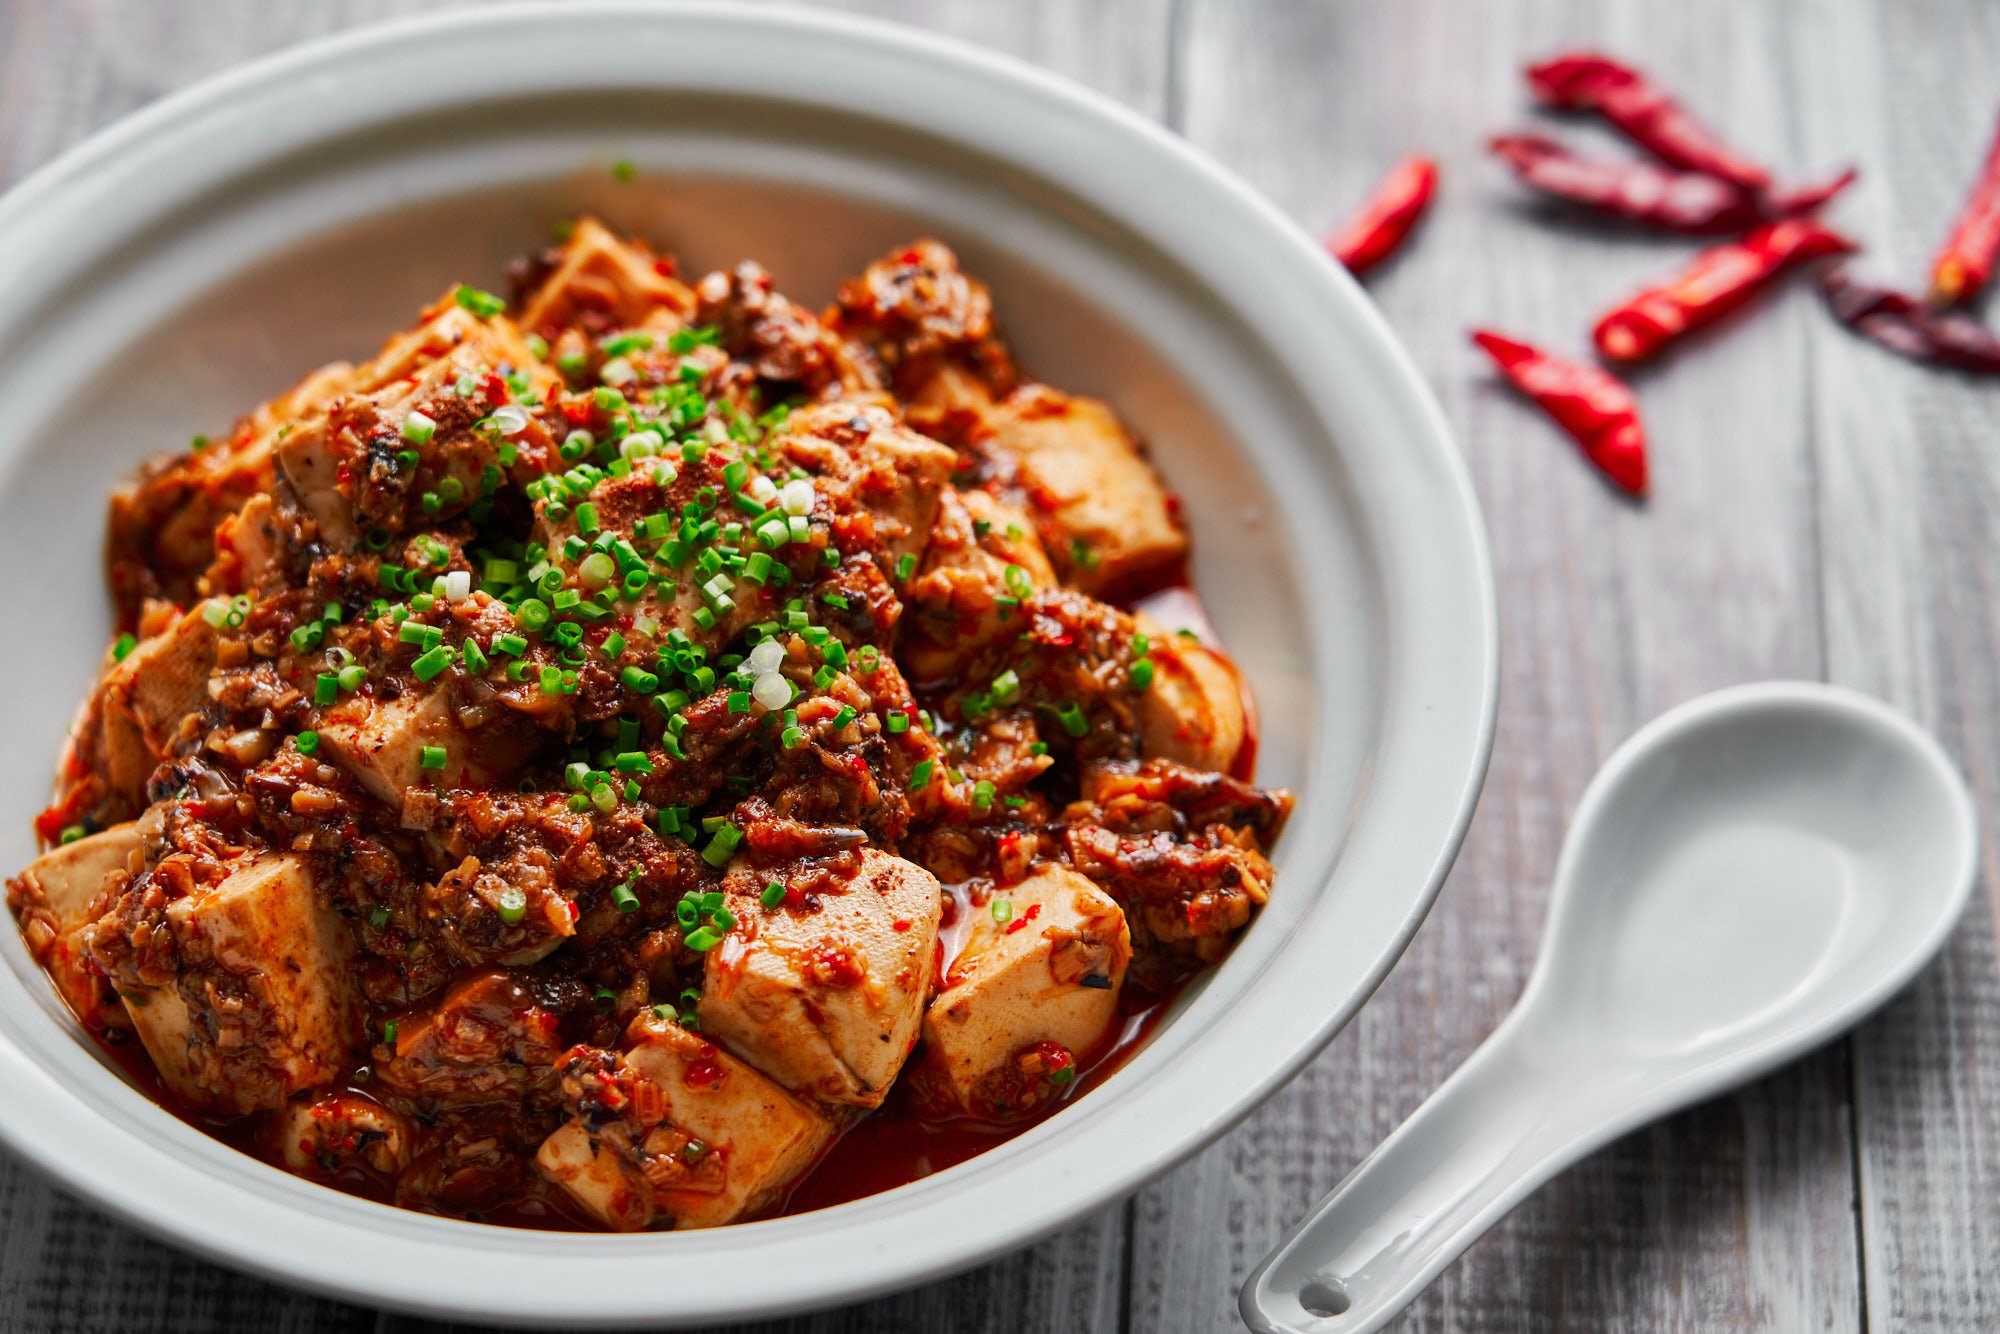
(888, 1147)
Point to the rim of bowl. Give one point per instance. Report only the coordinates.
(304, 1234)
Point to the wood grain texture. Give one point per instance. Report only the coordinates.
(1739, 1215)
(1821, 510)
(1910, 481)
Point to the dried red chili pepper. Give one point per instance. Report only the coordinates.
(1595, 407)
(1966, 263)
(1383, 223)
(1677, 201)
(1902, 323)
(1645, 113)
(1722, 278)
(1798, 201)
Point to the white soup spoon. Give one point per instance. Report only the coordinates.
(1750, 875)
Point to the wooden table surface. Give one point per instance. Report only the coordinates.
(1821, 511)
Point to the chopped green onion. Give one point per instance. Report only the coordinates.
(920, 776)
(1142, 673)
(122, 649)
(433, 662)
(483, 304)
(418, 429)
(326, 689)
(722, 845)
(431, 757)
(512, 905)
(1002, 910)
(620, 344)
(306, 742)
(898, 721)
(773, 895)
(683, 341)
(624, 898)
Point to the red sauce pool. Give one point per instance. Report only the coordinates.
(893, 1146)
(889, 1147)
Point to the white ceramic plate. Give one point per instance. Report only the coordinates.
(162, 277)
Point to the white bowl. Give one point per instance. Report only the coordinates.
(160, 278)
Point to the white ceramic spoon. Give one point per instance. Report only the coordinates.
(1750, 875)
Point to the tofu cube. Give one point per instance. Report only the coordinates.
(247, 547)
(707, 1139)
(862, 458)
(601, 1175)
(381, 743)
(1050, 973)
(327, 458)
(825, 994)
(266, 1004)
(165, 518)
(604, 278)
(142, 701)
(1107, 523)
(982, 550)
(54, 898)
(449, 334)
(1195, 711)
(311, 462)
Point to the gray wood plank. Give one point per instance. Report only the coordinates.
(1909, 482)
(1739, 1214)
(1776, 439)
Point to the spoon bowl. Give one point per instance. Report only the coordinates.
(1749, 876)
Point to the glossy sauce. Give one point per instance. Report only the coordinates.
(894, 1145)
(889, 1147)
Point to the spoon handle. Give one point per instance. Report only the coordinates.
(1497, 1129)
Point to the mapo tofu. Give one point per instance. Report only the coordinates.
(578, 765)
